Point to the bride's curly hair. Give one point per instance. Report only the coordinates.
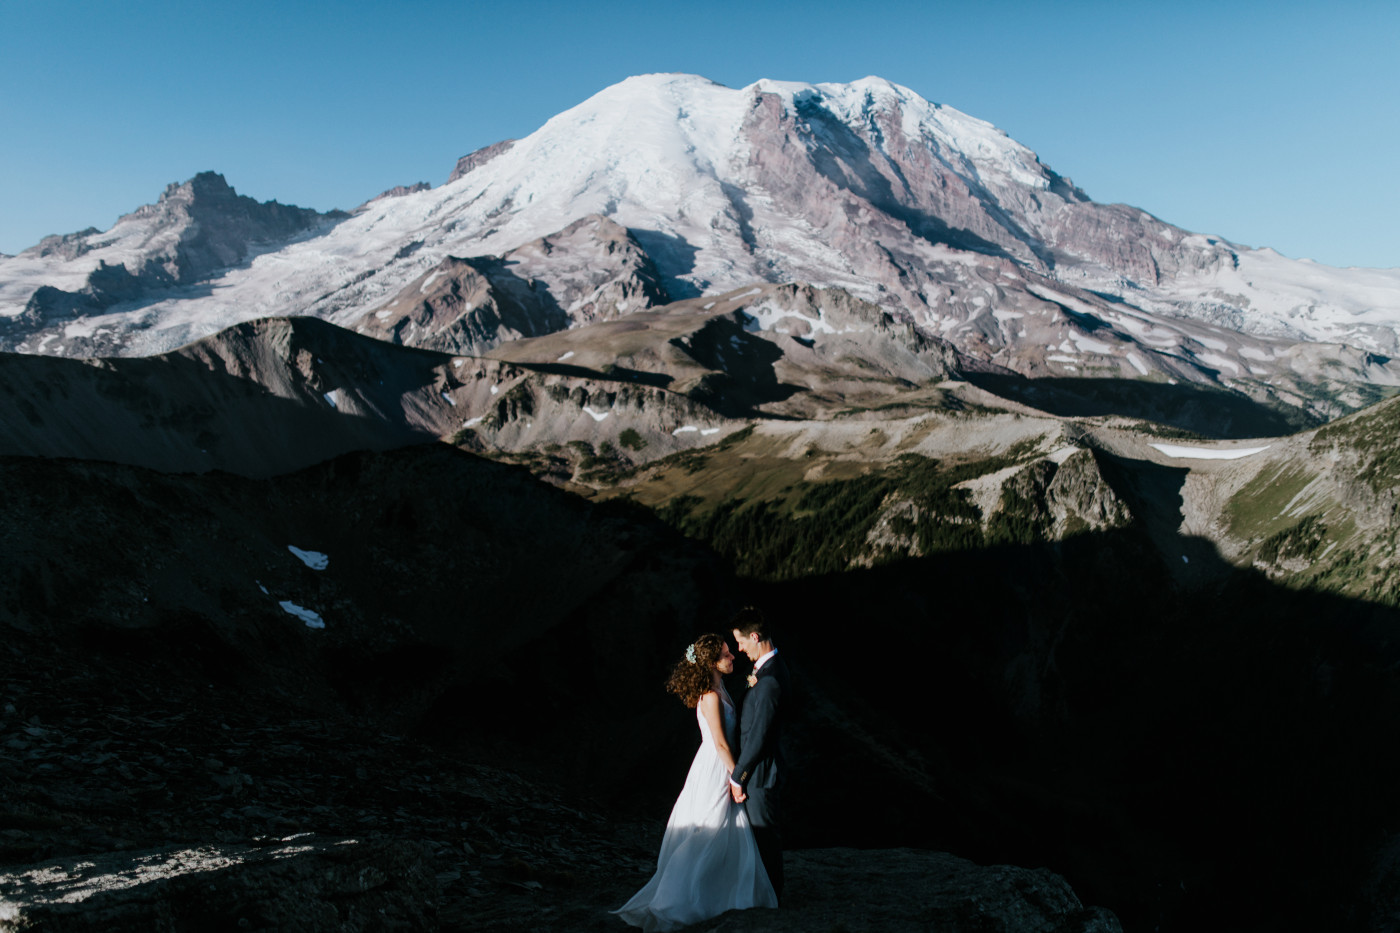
(691, 679)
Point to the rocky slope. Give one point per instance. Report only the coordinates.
(235, 723)
(348, 622)
(277, 394)
(590, 271)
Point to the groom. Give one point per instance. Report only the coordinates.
(759, 770)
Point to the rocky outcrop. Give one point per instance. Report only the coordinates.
(106, 286)
(216, 227)
(1058, 496)
(592, 270)
(464, 306)
(64, 246)
(197, 228)
(399, 191)
(474, 160)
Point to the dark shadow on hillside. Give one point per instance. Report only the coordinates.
(206, 407)
(607, 374)
(525, 305)
(743, 375)
(1215, 413)
(1216, 755)
(1192, 750)
(673, 258)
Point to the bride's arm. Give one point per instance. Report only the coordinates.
(709, 708)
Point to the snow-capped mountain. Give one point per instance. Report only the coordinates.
(196, 230)
(932, 214)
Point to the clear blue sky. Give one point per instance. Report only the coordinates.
(1271, 124)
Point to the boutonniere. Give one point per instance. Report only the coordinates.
(753, 679)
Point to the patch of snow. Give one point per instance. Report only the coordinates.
(495, 389)
(708, 306)
(449, 400)
(457, 364)
(767, 316)
(79, 328)
(331, 398)
(684, 430)
(1219, 362)
(747, 294)
(596, 415)
(1138, 364)
(1208, 453)
(708, 431)
(313, 559)
(1089, 344)
(565, 357)
(473, 422)
(312, 619)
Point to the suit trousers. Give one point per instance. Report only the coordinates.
(764, 807)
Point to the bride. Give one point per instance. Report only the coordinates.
(709, 862)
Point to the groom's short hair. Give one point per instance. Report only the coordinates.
(750, 621)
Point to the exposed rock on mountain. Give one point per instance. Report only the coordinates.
(399, 191)
(591, 270)
(474, 160)
(277, 394)
(464, 305)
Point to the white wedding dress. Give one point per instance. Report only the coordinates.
(709, 861)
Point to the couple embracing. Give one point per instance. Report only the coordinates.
(723, 849)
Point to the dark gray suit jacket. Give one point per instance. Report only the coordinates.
(760, 761)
